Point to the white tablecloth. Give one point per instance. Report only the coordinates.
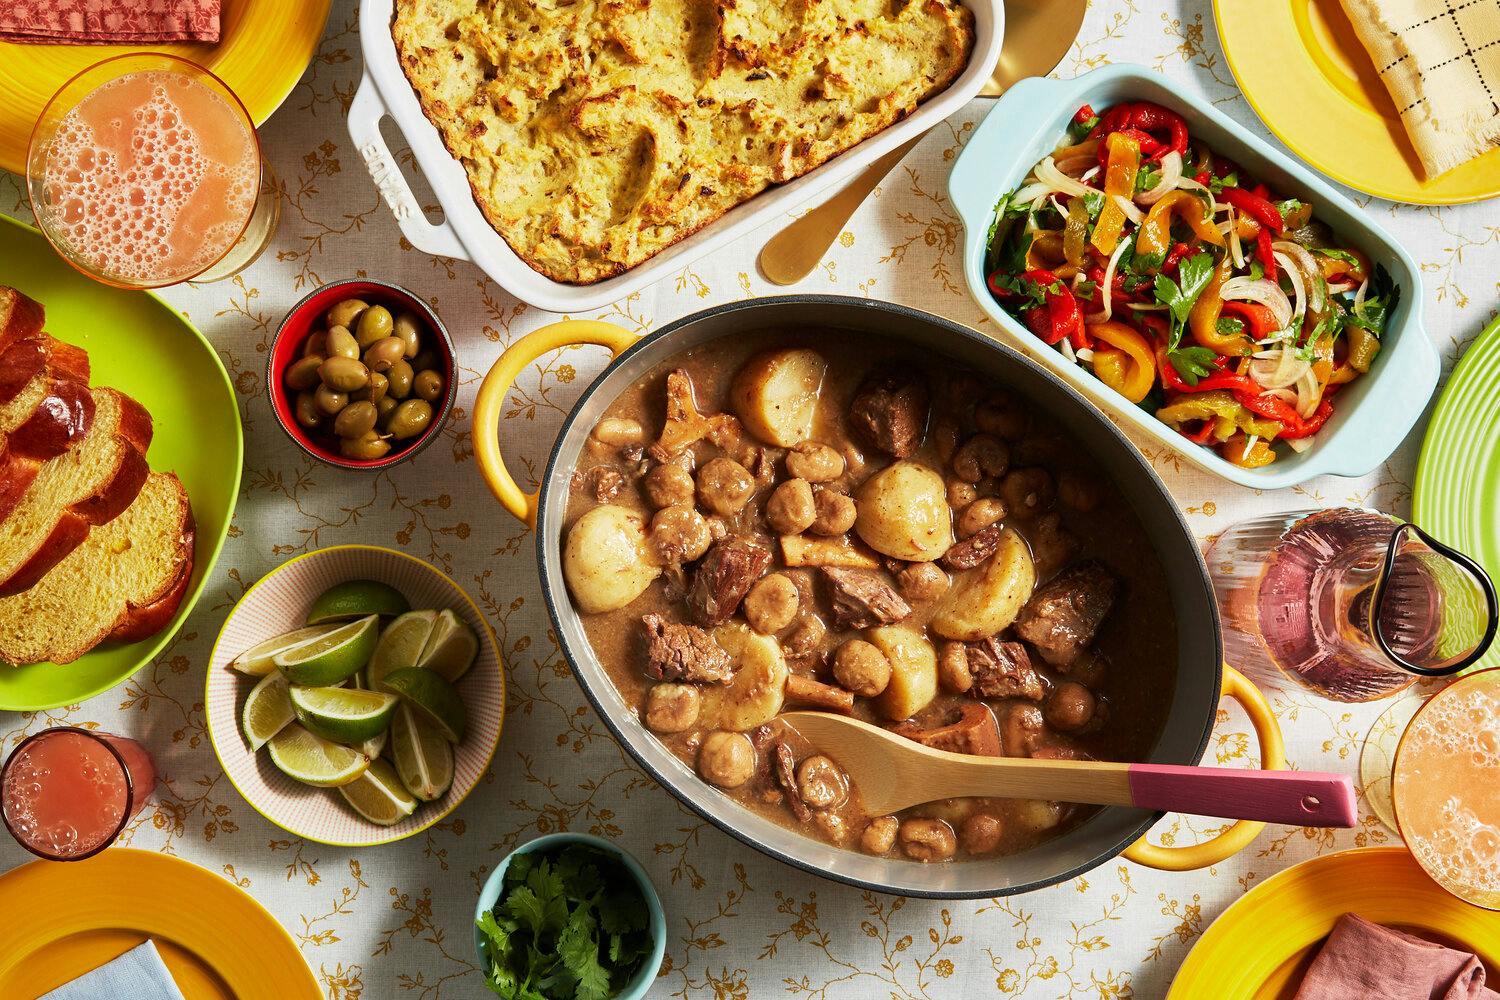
(394, 921)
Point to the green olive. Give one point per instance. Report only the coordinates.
(399, 375)
(374, 392)
(428, 385)
(344, 375)
(409, 419)
(316, 343)
(341, 344)
(374, 324)
(331, 401)
(384, 407)
(365, 447)
(347, 312)
(409, 329)
(308, 414)
(303, 373)
(385, 352)
(355, 420)
(426, 358)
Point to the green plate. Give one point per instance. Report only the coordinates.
(143, 347)
(1458, 472)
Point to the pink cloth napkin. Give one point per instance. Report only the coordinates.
(109, 22)
(1361, 960)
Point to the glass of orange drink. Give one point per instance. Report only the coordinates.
(145, 170)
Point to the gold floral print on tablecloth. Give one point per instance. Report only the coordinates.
(393, 922)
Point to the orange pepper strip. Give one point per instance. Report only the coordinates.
(1119, 179)
(1130, 370)
(1260, 454)
(1204, 319)
(1156, 232)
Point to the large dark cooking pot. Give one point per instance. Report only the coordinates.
(1111, 831)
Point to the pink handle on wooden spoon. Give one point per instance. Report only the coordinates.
(1298, 798)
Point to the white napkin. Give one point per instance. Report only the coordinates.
(139, 974)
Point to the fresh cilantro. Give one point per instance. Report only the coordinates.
(1027, 293)
(1192, 363)
(1228, 326)
(1343, 255)
(1381, 300)
(1257, 271)
(1085, 290)
(1193, 275)
(570, 924)
(1079, 131)
(1218, 184)
(1146, 263)
(1094, 202)
(1146, 179)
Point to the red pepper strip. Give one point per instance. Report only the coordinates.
(1173, 381)
(1261, 191)
(1202, 177)
(1112, 120)
(992, 282)
(1060, 317)
(1202, 434)
(1150, 117)
(1179, 251)
(1270, 407)
(1083, 114)
(1255, 206)
(1260, 319)
(1148, 145)
(1226, 380)
(1313, 424)
(1264, 254)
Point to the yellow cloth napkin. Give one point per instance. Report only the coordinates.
(1440, 59)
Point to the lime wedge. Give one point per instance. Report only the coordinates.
(313, 760)
(424, 758)
(375, 745)
(257, 661)
(355, 599)
(431, 696)
(344, 715)
(267, 710)
(379, 796)
(333, 657)
(400, 645)
(451, 648)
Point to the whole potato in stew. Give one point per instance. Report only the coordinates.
(903, 513)
(606, 559)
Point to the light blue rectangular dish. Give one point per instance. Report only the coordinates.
(1375, 412)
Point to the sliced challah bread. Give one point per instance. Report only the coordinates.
(87, 485)
(20, 317)
(45, 409)
(124, 582)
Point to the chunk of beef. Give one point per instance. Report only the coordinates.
(1004, 670)
(602, 482)
(724, 577)
(971, 730)
(974, 550)
(684, 653)
(1064, 614)
(786, 777)
(890, 410)
(861, 600)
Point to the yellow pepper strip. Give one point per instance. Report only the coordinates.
(1076, 233)
(1119, 179)
(1233, 452)
(1046, 254)
(1155, 236)
(1204, 319)
(1131, 370)
(1343, 373)
(1333, 267)
(1363, 346)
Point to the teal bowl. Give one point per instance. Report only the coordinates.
(490, 895)
(1376, 412)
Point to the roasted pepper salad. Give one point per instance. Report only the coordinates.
(1186, 285)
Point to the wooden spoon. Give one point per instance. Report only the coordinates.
(893, 773)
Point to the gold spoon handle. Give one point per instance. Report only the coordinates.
(791, 254)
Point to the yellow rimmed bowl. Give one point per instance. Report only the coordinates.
(279, 603)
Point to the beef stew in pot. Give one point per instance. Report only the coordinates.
(815, 519)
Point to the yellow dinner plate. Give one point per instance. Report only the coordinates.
(263, 47)
(1260, 948)
(1305, 73)
(59, 920)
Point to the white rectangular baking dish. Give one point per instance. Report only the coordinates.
(467, 235)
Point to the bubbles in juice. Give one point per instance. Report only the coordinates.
(64, 794)
(150, 179)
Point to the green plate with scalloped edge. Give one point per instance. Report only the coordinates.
(146, 349)
(1457, 487)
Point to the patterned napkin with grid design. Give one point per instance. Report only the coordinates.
(1440, 59)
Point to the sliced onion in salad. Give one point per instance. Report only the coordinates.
(1278, 368)
(1262, 290)
(1171, 175)
(1135, 215)
(1299, 287)
(1047, 173)
(1231, 230)
(1107, 286)
(1315, 285)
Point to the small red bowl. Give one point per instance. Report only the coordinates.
(306, 316)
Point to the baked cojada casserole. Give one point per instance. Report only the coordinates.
(597, 133)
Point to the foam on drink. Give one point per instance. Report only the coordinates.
(151, 178)
(64, 795)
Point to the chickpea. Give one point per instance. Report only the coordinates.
(927, 839)
(979, 515)
(817, 463)
(726, 759)
(980, 456)
(1078, 491)
(879, 835)
(836, 512)
(923, 581)
(725, 486)
(832, 826)
(790, 509)
(1027, 492)
(808, 637)
(953, 668)
(981, 833)
(672, 708)
(1002, 415)
(961, 494)
(772, 604)
(618, 432)
(1071, 706)
(821, 783)
(669, 485)
(862, 668)
(679, 534)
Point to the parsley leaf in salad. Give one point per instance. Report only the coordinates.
(1218, 184)
(1193, 275)
(1192, 363)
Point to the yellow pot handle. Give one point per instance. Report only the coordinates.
(488, 405)
(1239, 836)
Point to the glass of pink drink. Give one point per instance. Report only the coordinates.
(66, 793)
(144, 170)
